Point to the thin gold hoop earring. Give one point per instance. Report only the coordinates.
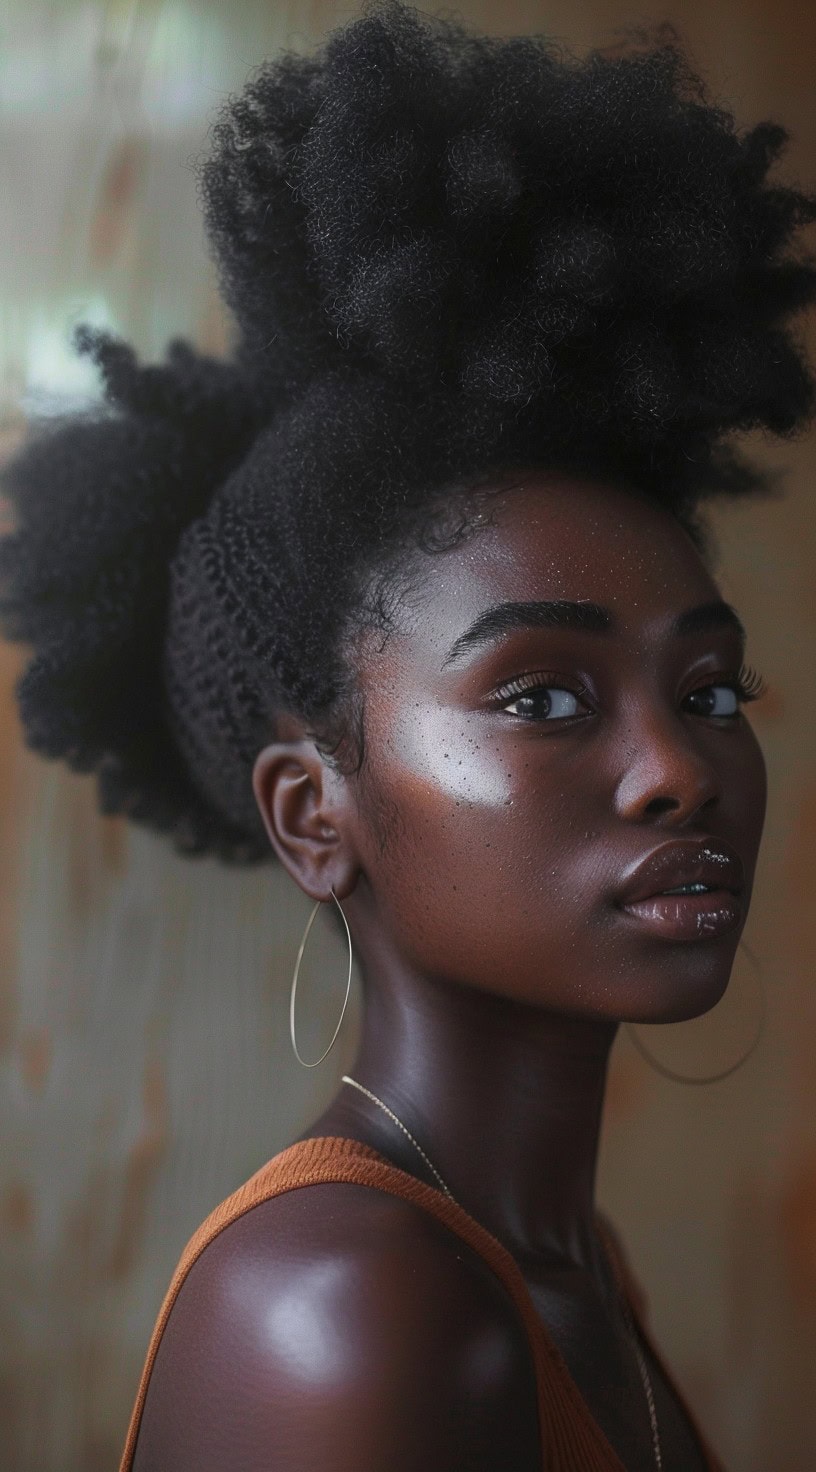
(682, 1078)
(295, 978)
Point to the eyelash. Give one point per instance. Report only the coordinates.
(748, 685)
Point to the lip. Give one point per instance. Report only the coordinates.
(686, 917)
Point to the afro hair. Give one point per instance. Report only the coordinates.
(445, 255)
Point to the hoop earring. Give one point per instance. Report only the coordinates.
(682, 1078)
(295, 978)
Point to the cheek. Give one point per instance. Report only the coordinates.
(443, 759)
(477, 839)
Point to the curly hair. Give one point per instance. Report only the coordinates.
(445, 255)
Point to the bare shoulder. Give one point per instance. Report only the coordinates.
(340, 1327)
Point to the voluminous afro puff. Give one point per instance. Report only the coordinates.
(445, 256)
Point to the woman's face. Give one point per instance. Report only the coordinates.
(518, 770)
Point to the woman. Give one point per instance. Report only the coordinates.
(415, 594)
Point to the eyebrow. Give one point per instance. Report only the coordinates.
(561, 613)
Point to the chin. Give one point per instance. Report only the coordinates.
(687, 983)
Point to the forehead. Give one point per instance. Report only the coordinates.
(552, 537)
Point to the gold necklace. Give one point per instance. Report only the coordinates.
(644, 1373)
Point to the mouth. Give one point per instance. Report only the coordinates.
(686, 891)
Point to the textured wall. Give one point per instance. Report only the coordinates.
(145, 1066)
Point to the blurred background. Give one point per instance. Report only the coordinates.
(145, 1062)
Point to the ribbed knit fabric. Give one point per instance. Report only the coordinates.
(571, 1439)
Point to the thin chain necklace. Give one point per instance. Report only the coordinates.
(644, 1373)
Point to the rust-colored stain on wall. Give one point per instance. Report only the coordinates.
(13, 817)
(797, 943)
(140, 1171)
(117, 200)
(770, 708)
(799, 868)
(17, 1209)
(113, 844)
(36, 1053)
(797, 1219)
(626, 1090)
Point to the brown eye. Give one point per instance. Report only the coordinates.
(746, 686)
(545, 702)
(715, 700)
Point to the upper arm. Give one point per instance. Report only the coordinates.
(340, 1328)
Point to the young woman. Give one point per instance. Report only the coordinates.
(414, 593)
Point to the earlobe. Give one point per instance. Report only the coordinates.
(294, 793)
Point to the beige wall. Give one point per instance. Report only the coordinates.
(145, 1065)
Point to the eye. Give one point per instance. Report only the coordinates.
(538, 697)
(724, 697)
(715, 700)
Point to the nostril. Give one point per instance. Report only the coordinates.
(661, 805)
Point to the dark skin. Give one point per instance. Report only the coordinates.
(475, 857)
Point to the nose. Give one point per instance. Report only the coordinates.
(665, 773)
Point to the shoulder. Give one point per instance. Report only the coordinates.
(342, 1327)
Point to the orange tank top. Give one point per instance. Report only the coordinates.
(571, 1439)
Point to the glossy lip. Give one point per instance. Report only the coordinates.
(680, 917)
(684, 861)
(691, 917)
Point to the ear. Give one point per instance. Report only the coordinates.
(306, 808)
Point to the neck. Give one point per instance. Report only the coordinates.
(505, 1099)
